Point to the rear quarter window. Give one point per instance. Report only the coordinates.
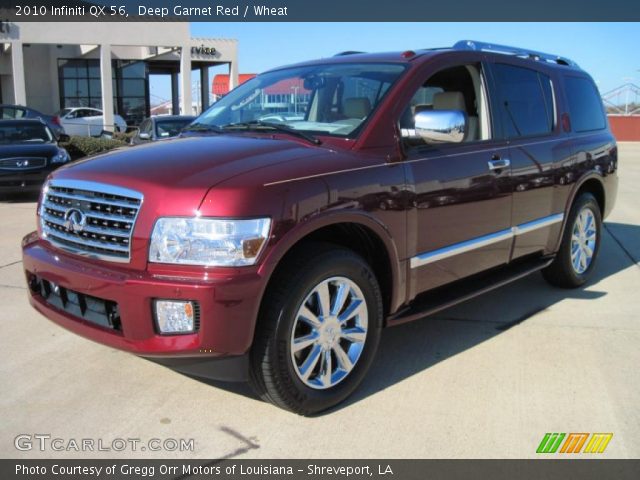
(585, 106)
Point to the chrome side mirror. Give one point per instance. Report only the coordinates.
(144, 136)
(439, 126)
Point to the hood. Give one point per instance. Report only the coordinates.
(29, 150)
(179, 172)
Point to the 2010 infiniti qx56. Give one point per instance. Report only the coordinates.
(278, 235)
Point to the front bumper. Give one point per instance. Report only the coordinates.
(228, 303)
(14, 182)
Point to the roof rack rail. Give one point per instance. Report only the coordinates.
(348, 52)
(519, 52)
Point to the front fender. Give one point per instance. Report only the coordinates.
(315, 223)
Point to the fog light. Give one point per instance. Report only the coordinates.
(174, 316)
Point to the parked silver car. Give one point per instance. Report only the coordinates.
(87, 122)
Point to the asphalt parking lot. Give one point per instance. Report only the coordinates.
(486, 379)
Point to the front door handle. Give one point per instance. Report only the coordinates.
(499, 163)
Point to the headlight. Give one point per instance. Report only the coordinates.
(208, 241)
(61, 157)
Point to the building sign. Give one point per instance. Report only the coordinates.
(202, 50)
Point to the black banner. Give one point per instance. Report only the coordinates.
(321, 11)
(231, 469)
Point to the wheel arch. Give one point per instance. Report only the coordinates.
(593, 183)
(357, 232)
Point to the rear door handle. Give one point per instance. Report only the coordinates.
(499, 163)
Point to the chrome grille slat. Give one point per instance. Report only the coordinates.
(88, 228)
(92, 214)
(87, 198)
(81, 241)
(105, 234)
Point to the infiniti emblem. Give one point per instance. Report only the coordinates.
(74, 220)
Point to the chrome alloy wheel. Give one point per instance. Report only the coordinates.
(583, 240)
(329, 333)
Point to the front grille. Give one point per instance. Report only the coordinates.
(23, 163)
(95, 310)
(90, 219)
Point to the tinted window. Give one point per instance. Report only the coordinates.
(585, 106)
(24, 132)
(526, 101)
(170, 128)
(10, 112)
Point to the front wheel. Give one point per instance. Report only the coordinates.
(575, 261)
(318, 330)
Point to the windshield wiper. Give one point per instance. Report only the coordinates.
(259, 124)
(202, 127)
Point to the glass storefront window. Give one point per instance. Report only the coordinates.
(80, 86)
(133, 70)
(95, 87)
(76, 87)
(132, 88)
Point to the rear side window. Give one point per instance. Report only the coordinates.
(585, 106)
(9, 112)
(526, 105)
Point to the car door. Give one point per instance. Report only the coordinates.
(73, 124)
(95, 121)
(461, 213)
(538, 150)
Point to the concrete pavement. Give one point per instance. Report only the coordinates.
(485, 379)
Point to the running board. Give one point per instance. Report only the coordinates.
(447, 296)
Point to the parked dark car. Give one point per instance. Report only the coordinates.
(15, 112)
(161, 127)
(29, 152)
(276, 252)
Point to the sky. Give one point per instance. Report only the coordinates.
(608, 51)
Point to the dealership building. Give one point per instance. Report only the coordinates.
(107, 65)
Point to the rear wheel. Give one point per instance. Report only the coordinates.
(580, 245)
(318, 330)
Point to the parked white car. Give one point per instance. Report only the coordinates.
(87, 122)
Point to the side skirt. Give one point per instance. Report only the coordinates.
(444, 297)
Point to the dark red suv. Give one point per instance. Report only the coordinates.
(318, 203)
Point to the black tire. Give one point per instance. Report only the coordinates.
(273, 374)
(561, 273)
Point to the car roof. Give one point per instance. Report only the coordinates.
(37, 121)
(173, 117)
(400, 57)
(423, 54)
(9, 105)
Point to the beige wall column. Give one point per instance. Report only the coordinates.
(17, 67)
(185, 80)
(107, 87)
(233, 75)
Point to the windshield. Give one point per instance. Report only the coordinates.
(171, 128)
(334, 99)
(24, 132)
